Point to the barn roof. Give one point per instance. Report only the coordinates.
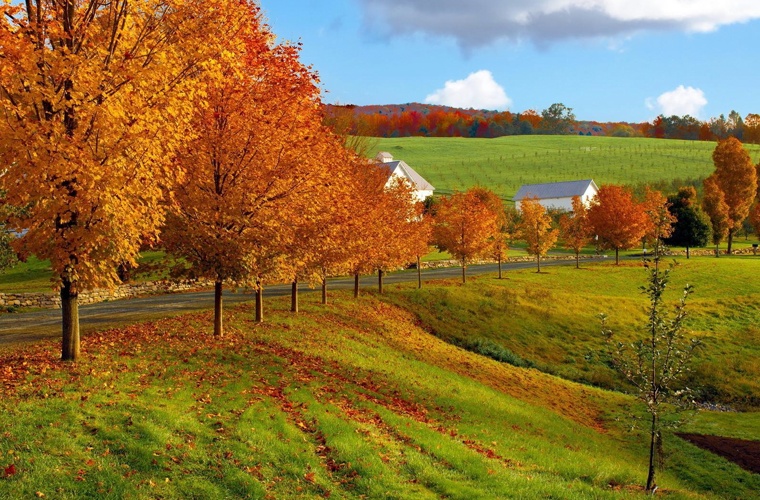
(418, 182)
(548, 190)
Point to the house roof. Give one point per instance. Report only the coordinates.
(548, 190)
(418, 182)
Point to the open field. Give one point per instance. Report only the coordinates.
(504, 164)
(351, 400)
(550, 320)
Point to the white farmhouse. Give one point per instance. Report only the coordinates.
(397, 169)
(557, 194)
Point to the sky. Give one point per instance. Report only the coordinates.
(608, 60)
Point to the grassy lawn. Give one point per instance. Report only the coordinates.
(505, 163)
(550, 320)
(352, 400)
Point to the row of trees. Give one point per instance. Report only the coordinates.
(129, 123)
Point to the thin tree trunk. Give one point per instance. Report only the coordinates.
(356, 285)
(577, 260)
(419, 272)
(218, 328)
(687, 252)
(294, 296)
(70, 346)
(499, 260)
(380, 281)
(259, 302)
(717, 250)
(652, 446)
(324, 289)
(730, 242)
(538, 263)
(617, 256)
(464, 272)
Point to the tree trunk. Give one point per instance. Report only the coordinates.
(577, 260)
(356, 285)
(652, 446)
(69, 322)
(324, 289)
(218, 328)
(380, 281)
(259, 302)
(294, 296)
(617, 256)
(419, 272)
(687, 251)
(464, 272)
(730, 241)
(538, 263)
(499, 260)
(717, 250)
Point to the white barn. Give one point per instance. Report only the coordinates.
(397, 169)
(557, 195)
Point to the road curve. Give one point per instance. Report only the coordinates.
(44, 324)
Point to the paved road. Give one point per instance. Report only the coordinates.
(37, 325)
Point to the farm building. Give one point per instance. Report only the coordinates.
(397, 169)
(557, 194)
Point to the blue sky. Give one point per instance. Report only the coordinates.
(609, 60)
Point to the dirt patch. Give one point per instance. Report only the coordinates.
(745, 454)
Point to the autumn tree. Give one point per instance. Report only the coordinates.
(715, 206)
(257, 154)
(692, 226)
(464, 226)
(659, 219)
(657, 364)
(94, 97)
(557, 119)
(536, 229)
(735, 176)
(617, 219)
(575, 229)
(500, 239)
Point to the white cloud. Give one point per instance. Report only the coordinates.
(478, 91)
(680, 101)
(477, 23)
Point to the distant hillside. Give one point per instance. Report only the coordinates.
(430, 120)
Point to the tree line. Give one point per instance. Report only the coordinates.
(423, 120)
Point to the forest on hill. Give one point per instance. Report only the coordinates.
(428, 120)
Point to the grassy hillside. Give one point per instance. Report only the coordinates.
(550, 320)
(504, 164)
(354, 400)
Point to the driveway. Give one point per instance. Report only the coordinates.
(43, 324)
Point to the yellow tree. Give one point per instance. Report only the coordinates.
(536, 229)
(715, 206)
(94, 97)
(735, 176)
(499, 240)
(464, 226)
(660, 220)
(258, 151)
(575, 228)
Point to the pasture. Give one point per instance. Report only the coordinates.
(505, 163)
(352, 400)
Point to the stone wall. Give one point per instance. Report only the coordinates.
(53, 300)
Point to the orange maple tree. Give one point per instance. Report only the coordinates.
(499, 240)
(465, 227)
(660, 220)
(715, 206)
(94, 97)
(617, 219)
(575, 228)
(536, 229)
(257, 154)
(735, 176)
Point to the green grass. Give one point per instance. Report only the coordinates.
(550, 320)
(353, 400)
(506, 163)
